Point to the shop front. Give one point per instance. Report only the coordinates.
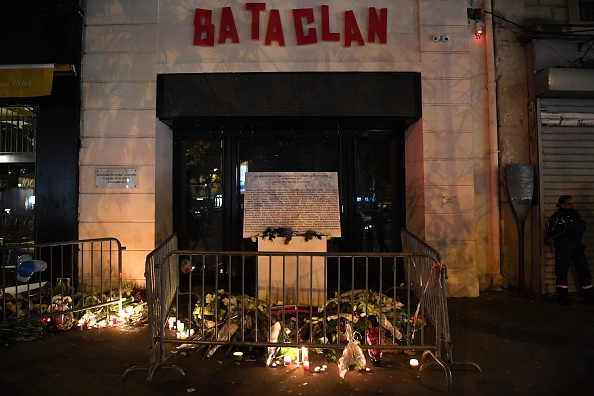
(39, 121)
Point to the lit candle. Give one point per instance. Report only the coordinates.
(305, 358)
(81, 324)
(171, 322)
(287, 360)
(414, 363)
(180, 326)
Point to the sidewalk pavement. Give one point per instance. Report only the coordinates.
(525, 345)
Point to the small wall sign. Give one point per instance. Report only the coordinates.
(116, 178)
(449, 200)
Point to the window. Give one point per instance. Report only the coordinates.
(17, 174)
(581, 10)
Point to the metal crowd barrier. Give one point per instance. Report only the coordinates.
(226, 298)
(56, 280)
(431, 289)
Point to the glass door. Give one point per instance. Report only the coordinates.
(209, 180)
(203, 194)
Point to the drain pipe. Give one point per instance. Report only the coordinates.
(498, 281)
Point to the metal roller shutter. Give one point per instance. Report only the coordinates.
(566, 145)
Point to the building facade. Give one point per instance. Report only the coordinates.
(449, 167)
(439, 94)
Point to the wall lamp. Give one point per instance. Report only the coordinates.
(476, 15)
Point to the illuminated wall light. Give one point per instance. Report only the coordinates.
(479, 29)
(476, 15)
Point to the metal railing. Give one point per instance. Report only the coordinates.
(237, 298)
(55, 280)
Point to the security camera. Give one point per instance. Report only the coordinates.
(445, 38)
(436, 37)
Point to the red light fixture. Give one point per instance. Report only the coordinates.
(476, 15)
(479, 29)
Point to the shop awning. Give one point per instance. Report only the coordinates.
(18, 81)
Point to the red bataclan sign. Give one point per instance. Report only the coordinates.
(204, 28)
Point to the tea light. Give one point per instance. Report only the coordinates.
(414, 363)
(238, 356)
(287, 360)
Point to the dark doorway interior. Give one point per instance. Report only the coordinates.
(208, 193)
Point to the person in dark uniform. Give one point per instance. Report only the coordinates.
(566, 228)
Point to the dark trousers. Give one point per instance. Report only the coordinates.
(564, 256)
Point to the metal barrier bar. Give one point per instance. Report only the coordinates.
(40, 281)
(435, 296)
(160, 295)
(217, 297)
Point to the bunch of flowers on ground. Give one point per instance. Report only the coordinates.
(220, 307)
(63, 308)
(365, 311)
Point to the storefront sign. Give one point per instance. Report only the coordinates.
(26, 182)
(116, 177)
(303, 27)
(18, 81)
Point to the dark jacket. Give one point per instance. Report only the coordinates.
(566, 227)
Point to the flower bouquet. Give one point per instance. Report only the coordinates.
(288, 233)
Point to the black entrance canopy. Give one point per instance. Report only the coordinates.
(238, 97)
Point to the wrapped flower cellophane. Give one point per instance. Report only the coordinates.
(352, 358)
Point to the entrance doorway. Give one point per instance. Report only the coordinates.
(351, 123)
(208, 197)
